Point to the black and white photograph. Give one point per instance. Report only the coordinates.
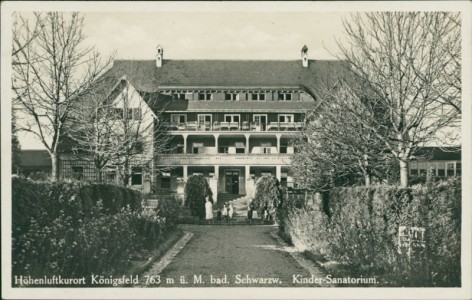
(236, 150)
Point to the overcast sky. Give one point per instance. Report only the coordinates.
(210, 35)
(215, 35)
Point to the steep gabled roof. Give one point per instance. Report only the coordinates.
(146, 77)
(438, 153)
(35, 158)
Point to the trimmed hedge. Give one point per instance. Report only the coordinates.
(79, 229)
(358, 227)
(44, 201)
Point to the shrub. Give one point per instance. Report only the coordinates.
(196, 190)
(358, 227)
(170, 208)
(268, 195)
(66, 228)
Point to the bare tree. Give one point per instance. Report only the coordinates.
(336, 148)
(51, 71)
(402, 59)
(120, 129)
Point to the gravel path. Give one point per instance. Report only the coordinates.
(232, 256)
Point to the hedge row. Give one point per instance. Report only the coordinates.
(45, 201)
(358, 227)
(78, 229)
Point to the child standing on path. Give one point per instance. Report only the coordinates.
(225, 212)
(230, 212)
(249, 212)
(218, 216)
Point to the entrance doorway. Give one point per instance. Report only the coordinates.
(232, 182)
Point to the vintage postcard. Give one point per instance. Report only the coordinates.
(236, 150)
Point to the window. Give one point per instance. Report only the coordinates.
(205, 96)
(266, 148)
(285, 96)
(179, 119)
(458, 169)
(118, 113)
(441, 169)
(240, 148)
(413, 169)
(231, 96)
(285, 118)
(78, 173)
(258, 96)
(178, 96)
(136, 176)
(165, 182)
(232, 118)
(223, 149)
(196, 147)
(422, 168)
(283, 148)
(137, 114)
(202, 119)
(450, 169)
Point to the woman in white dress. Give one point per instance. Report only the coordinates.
(230, 212)
(208, 211)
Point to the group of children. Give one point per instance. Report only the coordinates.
(225, 213)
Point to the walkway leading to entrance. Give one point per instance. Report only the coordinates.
(234, 256)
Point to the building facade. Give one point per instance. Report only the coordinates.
(231, 121)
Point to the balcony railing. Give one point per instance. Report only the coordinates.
(235, 126)
(223, 159)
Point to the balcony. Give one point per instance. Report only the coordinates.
(223, 159)
(244, 126)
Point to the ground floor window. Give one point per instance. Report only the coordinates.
(136, 176)
(223, 149)
(165, 183)
(78, 173)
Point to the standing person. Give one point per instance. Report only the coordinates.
(266, 215)
(208, 210)
(218, 216)
(249, 212)
(225, 212)
(230, 212)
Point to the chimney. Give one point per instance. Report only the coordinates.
(305, 56)
(159, 56)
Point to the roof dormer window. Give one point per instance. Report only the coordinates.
(231, 96)
(283, 96)
(258, 97)
(178, 96)
(204, 96)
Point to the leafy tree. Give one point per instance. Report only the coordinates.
(196, 191)
(51, 70)
(407, 60)
(268, 194)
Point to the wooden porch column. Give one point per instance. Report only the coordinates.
(278, 172)
(185, 167)
(185, 142)
(247, 144)
(216, 136)
(278, 142)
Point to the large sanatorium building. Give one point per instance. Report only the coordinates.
(230, 120)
